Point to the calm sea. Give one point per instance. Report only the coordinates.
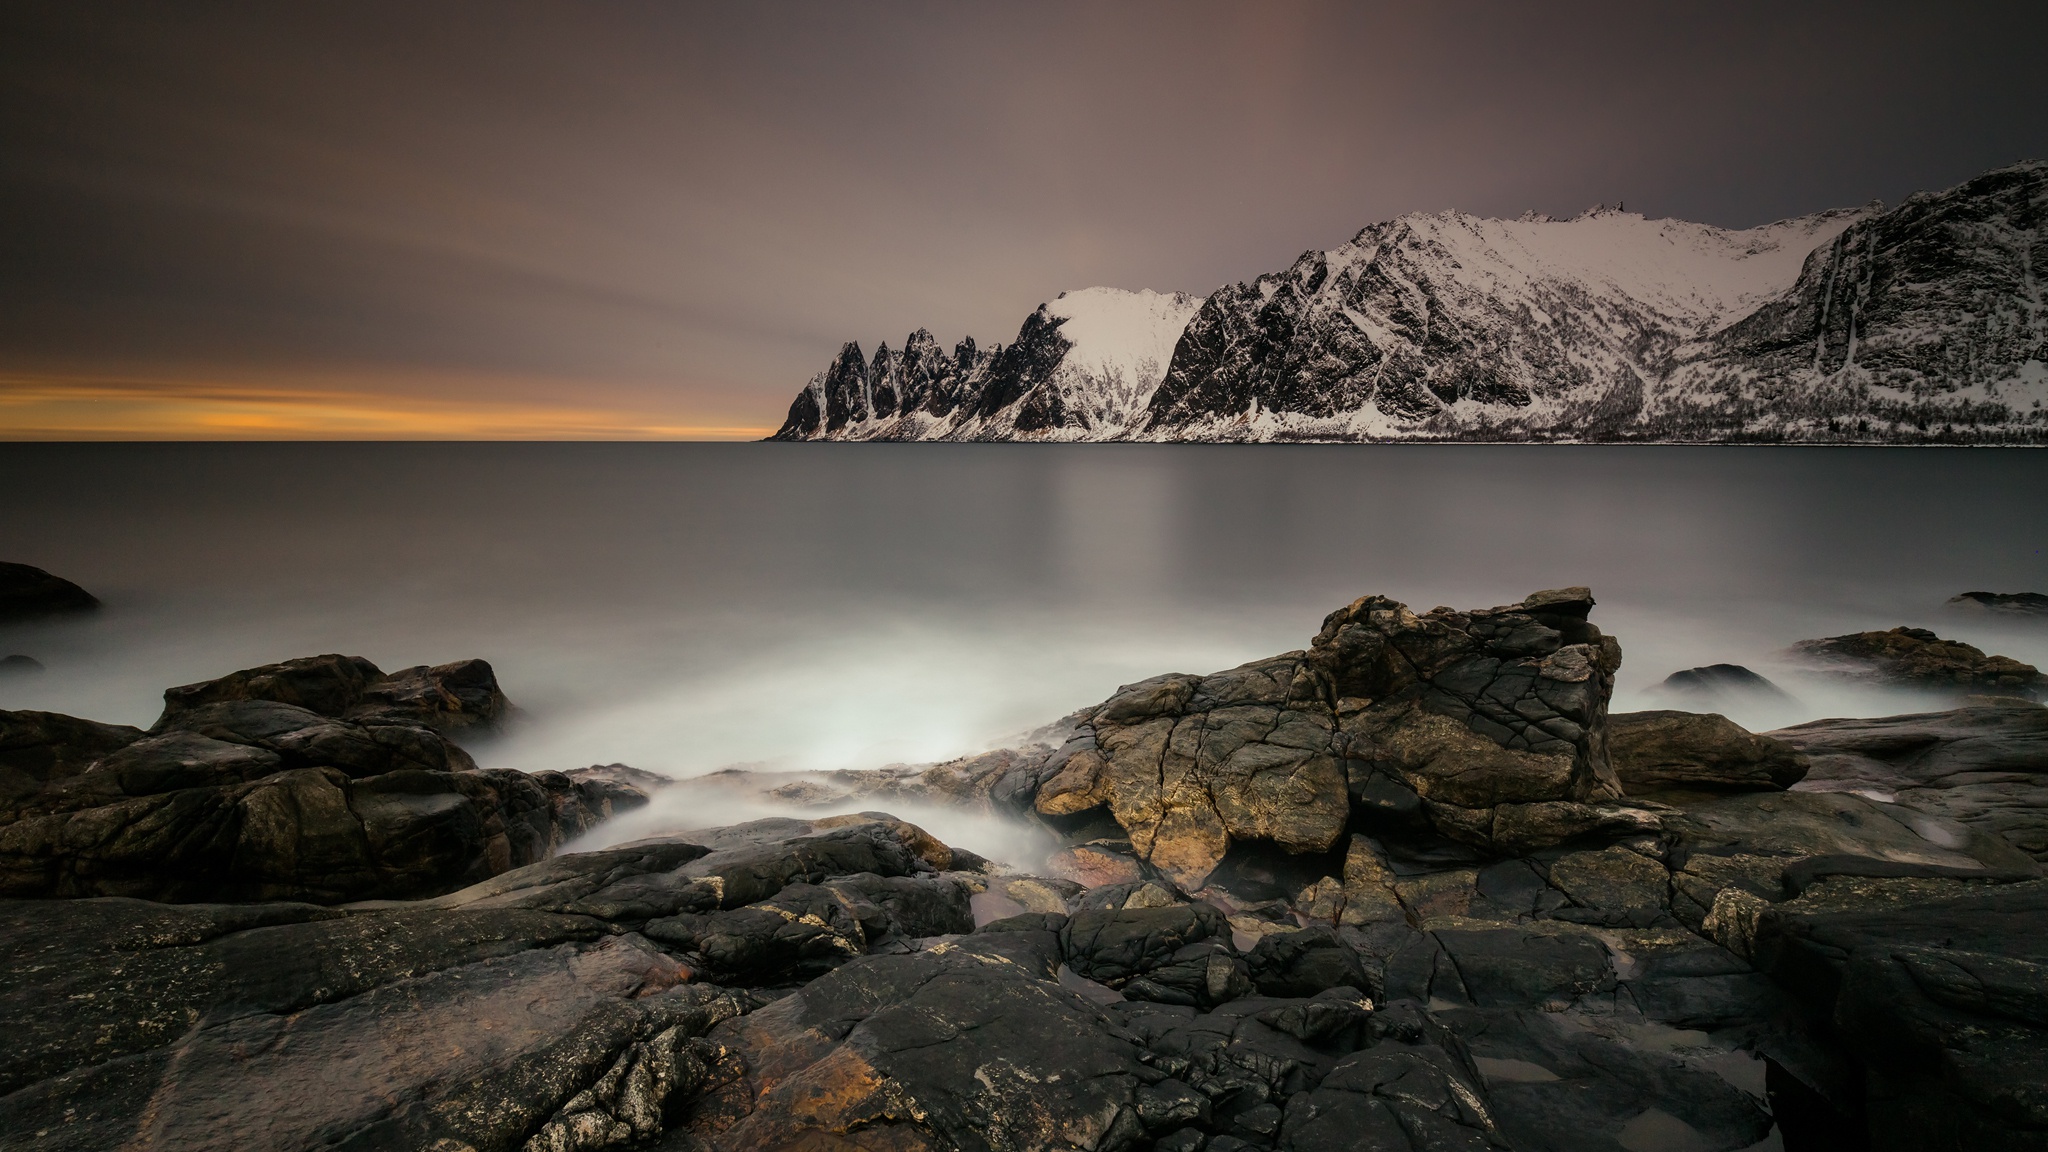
(684, 607)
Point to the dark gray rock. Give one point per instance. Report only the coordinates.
(1305, 963)
(39, 748)
(1936, 987)
(27, 593)
(529, 1012)
(1660, 752)
(1555, 1084)
(1984, 765)
(1116, 946)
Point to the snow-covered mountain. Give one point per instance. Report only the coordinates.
(1921, 324)
(1083, 367)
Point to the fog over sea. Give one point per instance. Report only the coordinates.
(689, 607)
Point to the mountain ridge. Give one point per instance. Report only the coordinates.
(1924, 323)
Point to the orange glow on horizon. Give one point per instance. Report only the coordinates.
(80, 407)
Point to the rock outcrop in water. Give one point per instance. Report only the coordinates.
(27, 593)
(321, 779)
(2015, 603)
(1327, 919)
(1917, 658)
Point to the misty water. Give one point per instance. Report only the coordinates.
(689, 607)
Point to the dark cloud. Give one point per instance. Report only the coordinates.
(682, 209)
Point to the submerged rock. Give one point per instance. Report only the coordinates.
(1723, 688)
(2016, 603)
(27, 593)
(18, 665)
(1917, 658)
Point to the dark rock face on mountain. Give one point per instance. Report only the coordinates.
(1908, 325)
(1917, 658)
(27, 593)
(2016, 603)
(237, 794)
(1855, 326)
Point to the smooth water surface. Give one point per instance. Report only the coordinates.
(684, 607)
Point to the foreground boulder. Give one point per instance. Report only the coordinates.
(239, 793)
(528, 1013)
(27, 593)
(1488, 726)
(1917, 658)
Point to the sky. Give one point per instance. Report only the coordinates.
(625, 220)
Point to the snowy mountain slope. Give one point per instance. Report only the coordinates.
(1925, 323)
(1451, 319)
(1083, 366)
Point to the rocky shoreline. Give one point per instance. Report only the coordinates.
(1411, 887)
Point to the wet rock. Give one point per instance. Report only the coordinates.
(1113, 947)
(1396, 1095)
(1555, 1084)
(972, 1044)
(1733, 858)
(1660, 752)
(2015, 603)
(540, 1010)
(1096, 864)
(27, 593)
(1306, 963)
(1984, 765)
(1613, 886)
(1917, 658)
(807, 929)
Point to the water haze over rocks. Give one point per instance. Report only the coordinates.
(684, 608)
